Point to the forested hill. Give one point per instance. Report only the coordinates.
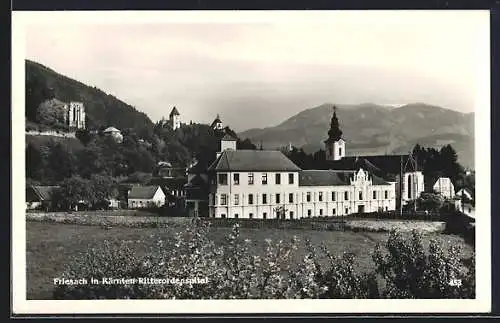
(102, 109)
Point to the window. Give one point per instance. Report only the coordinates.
(340, 151)
(320, 212)
(223, 216)
(290, 198)
(250, 215)
(386, 208)
(333, 212)
(308, 196)
(277, 198)
(223, 199)
(250, 178)
(264, 198)
(236, 215)
(374, 195)
(320, 196)
(250, 198)
(236, 199)
(236, 179)
(360, 195)
(264, 179)
(222, 179)
(264, 215)
(290, 178)
(334, 196)
(346, 196)
(309, 213)
(346, 210)
(386, 194)
(278, 179)
(291, 215)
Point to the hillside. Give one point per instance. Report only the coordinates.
(374, 129)
(102, 109)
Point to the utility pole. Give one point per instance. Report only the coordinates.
(401, 186)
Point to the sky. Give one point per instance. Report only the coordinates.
(259, 72)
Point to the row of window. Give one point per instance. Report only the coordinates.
(223, 179)
(291, 213)
(250, 197)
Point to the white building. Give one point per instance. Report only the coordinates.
(175, 119)
(413, 185)
(465, 194)
(266, 184)
(146, 197)
(76, 115)
(445, 187)
(113, 133)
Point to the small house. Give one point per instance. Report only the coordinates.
(39, 197)
(113, 133)
(445, 187)
(146, 197)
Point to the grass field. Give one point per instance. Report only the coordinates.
(50, 246)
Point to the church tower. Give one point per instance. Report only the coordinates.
(334, 145)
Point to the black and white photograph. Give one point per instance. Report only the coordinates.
(251, 162)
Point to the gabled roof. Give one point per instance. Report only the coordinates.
(253, 160)
(443, 181)
(332, 178)
(324, 177)
(466, 190)
(111, 129)
(143, 192)
(42, 193)
(174, 112)
(216, 120)
(228, 137)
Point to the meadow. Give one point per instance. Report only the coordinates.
(52, 246)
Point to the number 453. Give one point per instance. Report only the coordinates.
(455, 282)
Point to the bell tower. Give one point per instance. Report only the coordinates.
(334, 145)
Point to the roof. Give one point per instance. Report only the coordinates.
(324, 177)
(216, 120)
(228, 137)
(197, 181)
(384, 166)
(466, 190)
(43, 193)
(443, 181)
(198, 168)
(143, 192)
(111, 129)
(174, 112)
(253, 160)
(332, 178)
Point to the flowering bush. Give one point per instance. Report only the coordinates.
(410, 272)
(234, 270)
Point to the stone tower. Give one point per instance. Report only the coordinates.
(175, 119)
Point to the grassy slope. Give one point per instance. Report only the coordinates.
(51, 246)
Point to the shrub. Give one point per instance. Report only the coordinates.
(235, 271)
(410, 272)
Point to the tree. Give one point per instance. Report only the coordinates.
(104, 187)
(34, 162)
(74, 191)
(430, 202)
(61, 162)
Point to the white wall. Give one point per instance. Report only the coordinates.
(157, 200)
(416, 181)
(300, 204)
(445, 187)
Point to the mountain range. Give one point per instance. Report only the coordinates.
(368, 128)
(371, 129)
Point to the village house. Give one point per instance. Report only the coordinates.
(113, 133)
(445, 187)
(151, 196)
(217, 124)
(40, 197)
